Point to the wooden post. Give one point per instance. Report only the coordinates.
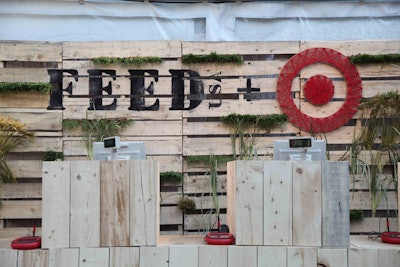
(307, 209)
(144, 198)
(278, 203)
(114, 203)
(55, 204)
(245, 202)
(335, 204)
(85, 204)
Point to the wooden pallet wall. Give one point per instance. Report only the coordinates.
(201, 255)
(171, 136)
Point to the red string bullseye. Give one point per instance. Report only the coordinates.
(319, 90)
(292, 69)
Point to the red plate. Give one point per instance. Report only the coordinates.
(219, 238)
(391, 237)
(27, 242)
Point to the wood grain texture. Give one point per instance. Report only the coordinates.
(56, 203)
(278, 203)
(85, 204)
(63, 257)
(335, 204)
(307, 203)
(114, 203)
(144, 199)
(248, 181)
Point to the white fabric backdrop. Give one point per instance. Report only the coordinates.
(250, 21)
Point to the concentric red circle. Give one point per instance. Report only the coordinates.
(319, 90)
(291, 70)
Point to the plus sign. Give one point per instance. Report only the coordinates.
(248, 89)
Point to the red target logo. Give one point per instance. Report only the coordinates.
(319, 90)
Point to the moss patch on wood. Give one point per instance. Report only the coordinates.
(137, 61)
(171, 177)
(10, 87)
(212, 58)
(373, 59)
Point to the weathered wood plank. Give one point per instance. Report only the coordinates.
(183, 256)
(164, 49)
(388, 257)
(31, 51)
(332, 257)
(24, 99)
(271, 256)
(335, 204)
(85, 204)
(170, 215)
(239, 256)
(30, 75)
(201, 183)
(245, 48)
(213, 256)
(20, 190)
(362, 201)
(154, 256)
(362, 257)
(278, 203)
(245, 206)
(9, 257)
(41, 144)
(124, 256)
(63, 257)
(21, 209)
(94, 257)
(144, 199)
(35, 119)
(56, 203)
(349, 48)
(307, 207)
(25, 168)
(75, 111)
(301, 256)
(33, 258)
(114, 203)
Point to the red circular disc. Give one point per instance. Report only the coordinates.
(319, 90)
(27, 242)
(291, 70)
(219, 238)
